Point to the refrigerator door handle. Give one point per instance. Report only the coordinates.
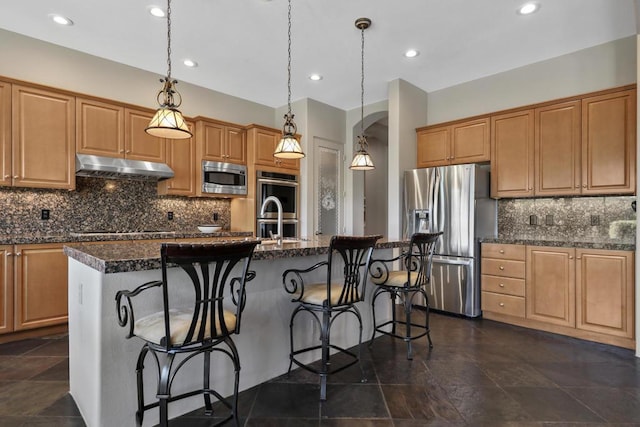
(454, 261)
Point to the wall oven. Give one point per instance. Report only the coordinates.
(224, 178)
(285, 187)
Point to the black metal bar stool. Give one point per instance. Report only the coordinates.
(405, 284)
(331, 298)
(217, 294)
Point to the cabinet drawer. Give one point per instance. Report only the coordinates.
(503, 304)
(503, 285)
(503, 251)
(503, 268)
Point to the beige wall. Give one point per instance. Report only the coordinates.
(40, 62)
(600, 67)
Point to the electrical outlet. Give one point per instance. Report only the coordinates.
(44, 214)
(595, 219)
(548, 220)
(170, 216)
(533, 219)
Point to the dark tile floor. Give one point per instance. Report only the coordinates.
(480, 373)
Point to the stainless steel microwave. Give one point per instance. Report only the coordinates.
(224, 178)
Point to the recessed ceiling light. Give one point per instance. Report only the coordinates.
(190, 63)
(411, 53)
(157, 11)
(61, 20)
(315, 77)
(528, 8)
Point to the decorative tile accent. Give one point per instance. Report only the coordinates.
(104, 204)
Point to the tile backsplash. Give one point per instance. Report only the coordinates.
(570, 218)
(103, 204)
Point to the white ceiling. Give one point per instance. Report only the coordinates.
(241, 45)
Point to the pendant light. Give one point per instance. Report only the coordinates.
(168, 121)
(362, 160)
(289, 147)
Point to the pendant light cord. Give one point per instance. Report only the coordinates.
(289, 61)
(169, 39)
(362, 84)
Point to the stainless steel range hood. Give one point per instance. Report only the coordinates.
(115, 168)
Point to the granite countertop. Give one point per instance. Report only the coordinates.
(24, 239)
(137, 256)
(567, 243)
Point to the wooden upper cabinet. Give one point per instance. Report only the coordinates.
(609, 143)
(550, 285)
(181, 157)
(433, 147)
(139, 145)
(604, 292)
(465, 142)
(5, 133)
(512, 153)
(100, 128)
(221, 142)
(6, 289)
(557, 149)
(264, 142)
(43, 138)
(41, 286)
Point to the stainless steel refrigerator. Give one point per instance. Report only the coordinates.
(454, 200)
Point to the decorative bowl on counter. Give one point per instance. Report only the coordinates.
(209, 228)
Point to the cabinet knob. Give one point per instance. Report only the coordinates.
(501, 251)
(7, 176)
(530, 188)
(577, 185)
(128, 151)
(570, 257)
(584, 185)
(15, 177)
(501, 285)
(501, 304)
(121, 151)
(578, 257)
(501, 268)
(18, 253)
(9, 253)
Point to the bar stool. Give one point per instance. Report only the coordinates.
(214, 278)
(405, 284)
(330, 299)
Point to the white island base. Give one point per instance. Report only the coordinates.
(102, 361)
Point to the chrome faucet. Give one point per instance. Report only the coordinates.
(275, 200)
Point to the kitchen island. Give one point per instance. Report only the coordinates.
(102, 361)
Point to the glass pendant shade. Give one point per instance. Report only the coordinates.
(362, 162)
(168, 123)
(288, 148)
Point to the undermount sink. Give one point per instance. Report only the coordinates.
(275, 242)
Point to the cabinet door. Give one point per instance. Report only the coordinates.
(43, 129)
(604, 292)
(433, 147)
(5, 133)
(41, 286)
(470, 142)
(100, 128)
(264, 146)
(512, 152)
(557, 149)
(609, 143)
(236, 145)
(6, 289)
(139, 145)
(211, 139)
(181, 157)
(550, 285)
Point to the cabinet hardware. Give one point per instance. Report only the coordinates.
(578, 257)
(9, 253)
(501, 304)
(128, 151)
(15, 177)
(7, 176)
(501, 285)
(570, 257)
(501, 251)
(18, 253)
(501, 268)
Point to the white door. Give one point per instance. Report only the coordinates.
(328, 202)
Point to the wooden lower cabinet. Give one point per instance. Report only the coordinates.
(583, 293)
(550, 285)
(604, 292)
(6, 289)
(40, 286)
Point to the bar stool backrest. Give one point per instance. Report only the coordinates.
(355, 252)
(419, 258)
(216, 291)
